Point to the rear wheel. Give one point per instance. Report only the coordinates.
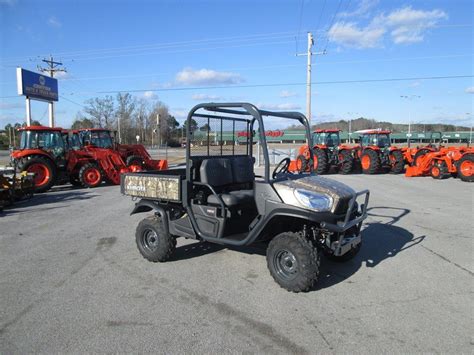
(466, 168)
(439, 170)
(301, 163)
(90, 175)
(370, 162)
(346, 162)
(397, 162)
(153, 242)
(418, 155)
(320, 161)
(44, 170)
(293, 261)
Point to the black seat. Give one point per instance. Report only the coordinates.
(231, 177)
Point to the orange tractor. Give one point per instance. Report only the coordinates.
(412, 155)
(134, 155)
(376, 154)
(53, 158)
(451, 161)
(328, 152)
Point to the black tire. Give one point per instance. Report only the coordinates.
(347, 163)
(26, 164)
(439, 170)
(321, 161)
(135, 160)
(418, 155)
(293, 261)
(302, 163)
(347, 256)
(153, 242)
(374, 166)
(398, 164)
(84, 178)
(463, 174)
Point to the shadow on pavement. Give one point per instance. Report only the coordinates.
(48, 198)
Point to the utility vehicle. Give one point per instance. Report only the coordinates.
(218, 198)
(328, 152)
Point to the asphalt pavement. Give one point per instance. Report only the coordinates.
(73, 281)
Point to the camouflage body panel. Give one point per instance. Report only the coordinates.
(160, 187)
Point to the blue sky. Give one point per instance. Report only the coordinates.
(125, 45)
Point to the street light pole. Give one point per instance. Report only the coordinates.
(410, 98)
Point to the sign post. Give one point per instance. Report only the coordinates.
(37, 87)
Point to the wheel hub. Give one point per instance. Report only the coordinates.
(150, 239)
(285, 264)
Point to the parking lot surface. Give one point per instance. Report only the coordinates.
(72, 280)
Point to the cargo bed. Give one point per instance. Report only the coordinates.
(163, 185)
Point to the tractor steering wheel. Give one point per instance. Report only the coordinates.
(281, 168)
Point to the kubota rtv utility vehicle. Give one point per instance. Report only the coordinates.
(328, 152)
(134, 155)
(218, 198)
(376, 154)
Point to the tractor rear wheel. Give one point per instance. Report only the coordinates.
(320, 161)
(44, 170)
(439, 170)
(90, 175)
(466, 168)
(301, 163)
(135, 161)
(153, 241)
(346, 160)
(370, 162)
(418, 155)
(397, 162)
(293, 261)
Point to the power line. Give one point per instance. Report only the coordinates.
(299, 26)
(75, 103)
(332, 22)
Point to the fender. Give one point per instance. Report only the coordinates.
(18, 154)
(147, 205)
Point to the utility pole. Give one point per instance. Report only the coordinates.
(309, 54)
(53, 67)
(409, 97)
(159, 129)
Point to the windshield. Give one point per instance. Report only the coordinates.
(379, 140)
(41, 140)
(330, 139)
(101, 139)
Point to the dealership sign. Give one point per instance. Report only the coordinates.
(275, 134)
(36, 86)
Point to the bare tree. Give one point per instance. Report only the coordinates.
(126, 106)
(101, 111)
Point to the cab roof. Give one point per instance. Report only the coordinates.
(95, 129)
(327, 131)
(375, 131)
(40, 128)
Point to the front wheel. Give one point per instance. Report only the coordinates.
(90, 175)
(397, 162)
(466, 168)
(153, 241)
(293, 261)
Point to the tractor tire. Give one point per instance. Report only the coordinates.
(439, 171)
(418, 155)
(466, 168)
(347, 256)
(44, 170)
(347, 162)
(397, 162)
(293, 261)
(153, 242)
(370, 162)
(320, 161)
(301, 163)
(135, 160)
(90, 175)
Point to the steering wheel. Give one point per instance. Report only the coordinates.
(281, 168)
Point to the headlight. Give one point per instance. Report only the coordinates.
(314, 200)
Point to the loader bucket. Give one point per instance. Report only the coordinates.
(412, 171)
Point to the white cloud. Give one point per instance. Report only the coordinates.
(149, 95)
(285, 107)
(405, 25)
(62, 75)
(178, 113)
(286, 93)
(414, 84)
(9, 105)
(204, 97)
(362, 10)
(54, 22)
(470, 90)
(189, 76)
(350, 35)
